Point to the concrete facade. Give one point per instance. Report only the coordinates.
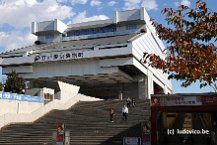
(102, 57)
(18, 107)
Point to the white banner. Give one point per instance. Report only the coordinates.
(180, 101)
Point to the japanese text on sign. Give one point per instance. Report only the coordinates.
(55, 56)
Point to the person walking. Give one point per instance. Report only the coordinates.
(129, 101)
(125, 112)
(133, 102)
(112, 114)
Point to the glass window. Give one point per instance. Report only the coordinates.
(77, 33)
(91, 31)
(110, 28)
(49, 36)
(131, 27)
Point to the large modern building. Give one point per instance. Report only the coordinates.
(102, 57)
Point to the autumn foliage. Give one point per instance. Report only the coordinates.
(190, 53)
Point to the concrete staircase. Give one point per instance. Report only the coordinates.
(88, 123)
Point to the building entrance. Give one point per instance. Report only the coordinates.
(184, 119)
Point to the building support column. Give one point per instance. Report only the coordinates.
(150, 84)
(120, 91)
(145, 85)
(141, 86)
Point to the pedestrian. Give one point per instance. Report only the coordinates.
(125, 112)
(133, 102)
(112, 114)
(129, 101)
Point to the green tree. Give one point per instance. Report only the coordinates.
(14, 83)
(1, 86)
(191, 53)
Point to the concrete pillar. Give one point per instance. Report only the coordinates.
(67, 137)
(66, 140)
(54, 137)
(120, 91)
(146, 86)
(149, 84)
(141, 86)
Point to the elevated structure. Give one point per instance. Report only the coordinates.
(102, 57)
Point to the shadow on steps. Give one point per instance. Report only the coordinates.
(134, 131)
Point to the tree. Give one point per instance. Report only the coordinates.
(14, 83)
(190, 54)
(1, 86)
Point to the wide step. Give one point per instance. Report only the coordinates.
(88, 123)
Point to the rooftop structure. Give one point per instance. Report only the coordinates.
(102, 57)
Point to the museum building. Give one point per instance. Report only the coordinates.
(103, 57)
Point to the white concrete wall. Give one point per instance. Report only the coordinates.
(18, 107)
(47, 90)
(151, 28)
(10, 118)
(67, 91)
(18, 60)
(128, 15)
(53, 25)
(116, 62)
(147, 43)
(19, 69)
(67, 68)
(60, 26)
(45, 26)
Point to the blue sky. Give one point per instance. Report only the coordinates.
(16, 17)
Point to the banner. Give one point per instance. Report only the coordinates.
(181, 101)
(209, 100)
(175, 100)
(20, 97)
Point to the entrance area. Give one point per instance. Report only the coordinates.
(184, 119)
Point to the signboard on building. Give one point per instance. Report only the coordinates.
(20, 97)
(179, 100)
(57, 56)
(209, 100)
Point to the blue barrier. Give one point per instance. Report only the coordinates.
(20, 97)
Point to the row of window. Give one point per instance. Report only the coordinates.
(110, 28)
(49, 36)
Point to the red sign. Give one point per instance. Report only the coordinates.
(60, 132)
(177, 101)
(181, 101)
(209, 100)
(186, 100)
(155, 101)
